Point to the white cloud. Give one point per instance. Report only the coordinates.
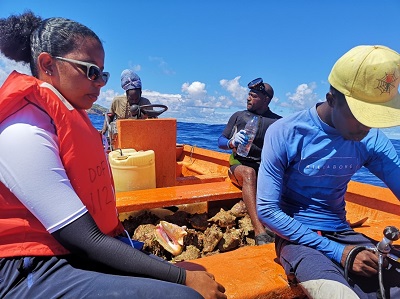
(195, 91)
(136, 68)
(303, 98)
(106, 96)
(8, 65)
(196, 95)
(193, 105)
(162, 64)
(238, 92)
(223, 102)
(172, 101)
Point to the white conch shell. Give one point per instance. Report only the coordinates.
(170, 236)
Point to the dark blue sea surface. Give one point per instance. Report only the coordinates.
(206, 136)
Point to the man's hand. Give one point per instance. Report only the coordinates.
(240, 138)
(205, 284)
(365, 262)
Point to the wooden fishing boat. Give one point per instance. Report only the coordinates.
(190, 175)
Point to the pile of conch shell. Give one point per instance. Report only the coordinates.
(186, 235)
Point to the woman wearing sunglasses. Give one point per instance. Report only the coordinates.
(58, 219)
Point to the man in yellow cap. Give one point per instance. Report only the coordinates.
(307, 161)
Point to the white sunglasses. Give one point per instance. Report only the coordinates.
(93, 72)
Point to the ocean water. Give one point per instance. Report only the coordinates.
(206, 136)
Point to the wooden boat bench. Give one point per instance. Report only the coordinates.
(248, 273)
(177, 195)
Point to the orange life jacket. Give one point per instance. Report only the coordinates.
(85, 162)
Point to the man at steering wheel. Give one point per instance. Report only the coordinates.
(127, 106)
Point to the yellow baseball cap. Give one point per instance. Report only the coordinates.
(369, 78)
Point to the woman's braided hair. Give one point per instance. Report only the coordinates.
(23, 37)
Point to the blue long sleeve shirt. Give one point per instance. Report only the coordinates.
(305, 168)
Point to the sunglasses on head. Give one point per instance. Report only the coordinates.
(93, 72)
(258, 85)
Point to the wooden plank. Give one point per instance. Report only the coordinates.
(248, 273)
(378, 204)
(177, 195)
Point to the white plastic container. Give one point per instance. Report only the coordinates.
(133, 170)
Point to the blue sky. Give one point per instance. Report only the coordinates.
(197, 57)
